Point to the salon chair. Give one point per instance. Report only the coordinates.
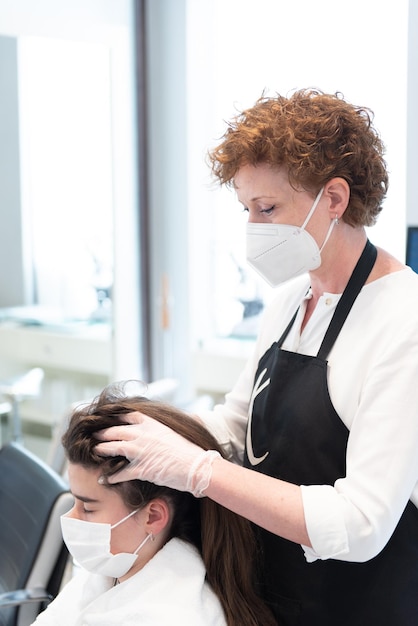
(33, 556)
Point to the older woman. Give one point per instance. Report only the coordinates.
(324, 419)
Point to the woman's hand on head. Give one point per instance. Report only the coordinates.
(156, 454)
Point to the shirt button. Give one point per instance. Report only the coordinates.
(328, 301)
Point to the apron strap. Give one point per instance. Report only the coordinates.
(358, 278)
(287, 329)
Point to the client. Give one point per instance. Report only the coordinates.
(149, 555)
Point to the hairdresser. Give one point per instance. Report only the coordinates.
(322, 425)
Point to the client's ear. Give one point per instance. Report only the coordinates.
(159, 516)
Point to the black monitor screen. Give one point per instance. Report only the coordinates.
(412, 248)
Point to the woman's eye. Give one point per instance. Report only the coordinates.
(268, 211)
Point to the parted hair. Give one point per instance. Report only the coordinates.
(225, 540)
(315, 136)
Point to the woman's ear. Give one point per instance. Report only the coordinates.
(158, 516)
(337, 190)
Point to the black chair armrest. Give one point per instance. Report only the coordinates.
(23, 596)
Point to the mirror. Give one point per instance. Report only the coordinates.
(60, 192)
(56, 219)
(69, 199)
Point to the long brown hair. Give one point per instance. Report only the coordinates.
(225, 540)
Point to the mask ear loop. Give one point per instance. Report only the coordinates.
(150, 536)
(308, 217)
(124, 519)
(315, 204)
(328, 235)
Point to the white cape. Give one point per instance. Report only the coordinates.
(170, 590)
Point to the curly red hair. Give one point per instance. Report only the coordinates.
(316, 137)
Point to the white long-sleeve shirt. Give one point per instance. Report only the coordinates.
(373, 385)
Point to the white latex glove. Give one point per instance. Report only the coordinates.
(157, 454)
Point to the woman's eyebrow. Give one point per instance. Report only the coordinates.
(84, 498)
(262, 197)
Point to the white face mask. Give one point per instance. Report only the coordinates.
(279, 252)
(89, 544)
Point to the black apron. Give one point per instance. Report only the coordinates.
(296, 435)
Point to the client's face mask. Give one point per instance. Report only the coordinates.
(279, 252)
(89, 544)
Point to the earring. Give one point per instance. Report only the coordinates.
(337, 221)
(151, 536)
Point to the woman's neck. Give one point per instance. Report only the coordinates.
(339, 259)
